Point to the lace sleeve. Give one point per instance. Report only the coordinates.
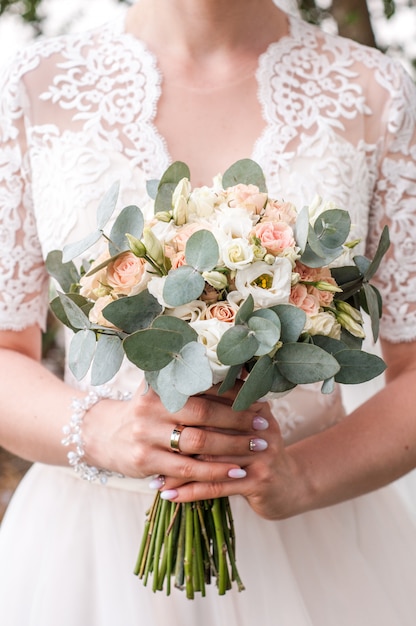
(23, 278)
(394, 203)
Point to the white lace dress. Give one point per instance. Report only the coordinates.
(76, 114)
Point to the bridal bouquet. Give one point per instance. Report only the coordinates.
(202, 285)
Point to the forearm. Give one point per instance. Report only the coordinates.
(34, 407)
(370, 448)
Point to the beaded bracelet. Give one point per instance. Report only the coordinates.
(73, 435)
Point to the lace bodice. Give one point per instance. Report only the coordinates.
(78, 112)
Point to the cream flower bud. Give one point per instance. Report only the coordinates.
(136, 246)
(218, 280)
(351, 325)
(164, 216)
(322, 285)
(269, 259)
(153, 246)
(258, 252)
(345, 307)
(180, 201)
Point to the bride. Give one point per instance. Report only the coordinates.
(323, 540)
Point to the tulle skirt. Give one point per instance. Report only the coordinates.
(68, 550)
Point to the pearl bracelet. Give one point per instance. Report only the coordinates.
(73, 435)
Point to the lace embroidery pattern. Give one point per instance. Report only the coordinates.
(101, 90)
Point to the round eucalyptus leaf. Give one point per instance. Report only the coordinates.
(328, 385)
(244, 171)
(59, 311)
(129, 221)
(152, 349)
(107, 205)
(81, 352)
(169, 322)
(266, 333)
(133, 312)
(190, 371)
(245, 310)
(358, 366)
(175, 172)
(108, 358)
(182, 286)
(202, 251)
(292, 321)
(230, 379)
(170, 397)
(332, 228)
(329, 344)
(319, 256)
(303, 363)
(236, 346)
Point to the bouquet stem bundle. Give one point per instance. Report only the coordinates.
(190, 543)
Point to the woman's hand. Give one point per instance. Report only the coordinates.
(133, 438)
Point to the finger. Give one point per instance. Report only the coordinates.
(200, 441)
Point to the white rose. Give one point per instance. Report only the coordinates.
(234, 222)
(202, 203)
(268, 284)
(209, 334)
(190, 312)
(323, 323)
(237, 253)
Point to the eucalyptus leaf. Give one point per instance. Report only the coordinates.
(256, 385)
(133, 312)
(202, 251)
(152, 349)
(292, 321)
(362, 264)
(182, 286)
(152, 187)
(107, 205)
(81, 352)
(93, 269)
(351, 341)
(244, 171)
(169, 322)
(266, 333)
(163, 200)
(329, 344)
(303, 363)
(131, 221)
(301, 229)
(75, 315)
(332, 228)
(108, 358)
(328, 385)
(230, 379)
(358, 366)
(171, 398)
(167, 185)
(73, 250)
(66, 274)
(383, 246)
(280, 383)
(236, 346)
(319, 256)
(59, 311)
(190, 372)
(245, 310)
(373, 307)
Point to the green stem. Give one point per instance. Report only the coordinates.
(180, 550)
(146, 539)
(189, 549)
(230, 541)
(222, 578)
(160, 535)
(199, 572)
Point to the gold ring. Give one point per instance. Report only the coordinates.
(175, 436)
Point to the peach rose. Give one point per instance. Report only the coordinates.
(300, 297)
(95, 286)
(276, 237)
(312, 274)
(222, 311)
(276, 211)
(178, 242)
(178, 259)
(96, 316)
(125, 273)
(324, 297)
(248, 197)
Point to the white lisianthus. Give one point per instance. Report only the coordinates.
(234, 222)
(180, 199)
(237, 253)
(209, 334)
(268, 284)
(323, 323)
(318, 206)
(202, 203)
(164, 231)
(189, 312)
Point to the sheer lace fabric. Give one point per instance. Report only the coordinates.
(78, 113)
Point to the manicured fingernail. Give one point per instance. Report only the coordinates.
(157, 483)
(258, 445)
(237, 473)
(260, 423)
(169, 494)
